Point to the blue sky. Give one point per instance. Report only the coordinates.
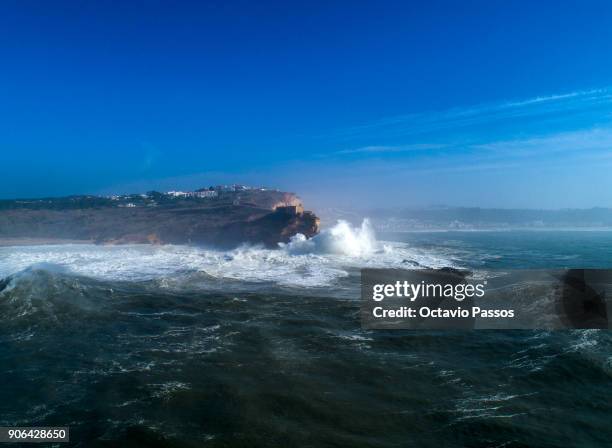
(351, 104)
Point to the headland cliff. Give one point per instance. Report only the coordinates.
(222, 216)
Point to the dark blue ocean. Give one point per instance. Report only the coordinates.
(192, 347)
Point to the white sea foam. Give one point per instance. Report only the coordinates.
(316, 262)
(342, 239)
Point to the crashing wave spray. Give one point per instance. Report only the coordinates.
(341, 239)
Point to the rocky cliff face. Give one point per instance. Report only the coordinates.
(267, 218)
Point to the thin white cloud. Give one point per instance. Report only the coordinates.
(540, 107)
(556, 149)
(378, 149)
(583, 141)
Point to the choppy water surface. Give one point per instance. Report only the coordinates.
(179, 346)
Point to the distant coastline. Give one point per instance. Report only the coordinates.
(468, 219)
(500, 230)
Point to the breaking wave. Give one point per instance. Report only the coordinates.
(342, 239)
(321, 261)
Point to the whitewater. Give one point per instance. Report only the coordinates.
(317, 262)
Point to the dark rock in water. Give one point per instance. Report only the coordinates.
(227, 220)
(462, 273)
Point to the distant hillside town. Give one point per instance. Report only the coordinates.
(213, 192)
(238, 194)
(213, 196)
(210, 192)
